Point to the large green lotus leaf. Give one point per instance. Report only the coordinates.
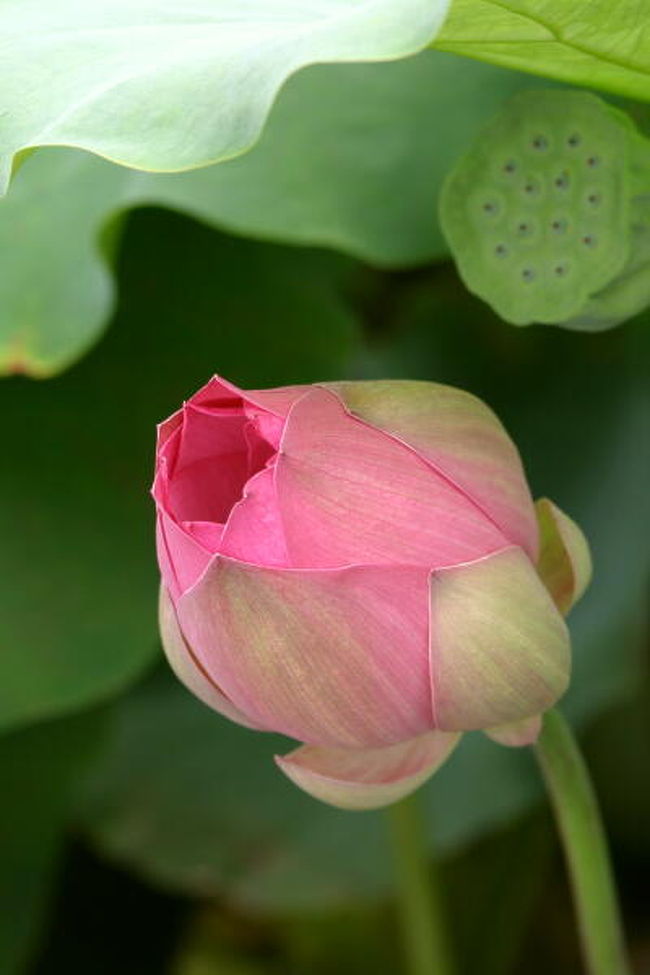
(163, 85)
(594, 42)
(39, 768)
(78, 594)
(360, 174)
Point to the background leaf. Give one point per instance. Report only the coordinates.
(78, 617)
(596, 43)
(39, 769)
(160, 86)
(360, 174)
(177, 797)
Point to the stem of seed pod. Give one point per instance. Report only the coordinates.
(420, 903)
(585, 847)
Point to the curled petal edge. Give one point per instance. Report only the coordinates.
(369, 778)
(564, 563)
(277, 401)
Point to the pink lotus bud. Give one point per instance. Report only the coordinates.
(355, 565)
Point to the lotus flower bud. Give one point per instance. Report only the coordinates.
(360, 566)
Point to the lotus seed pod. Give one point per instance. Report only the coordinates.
(539, 213)
(629, 292)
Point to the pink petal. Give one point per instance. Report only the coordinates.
(167, 428)
(462, 438)
(517, 733)
(258, 445)
(166, 457)
(211, 467)
(207, 533)
(277, 401)
(220, 394)
(165, 564)
(367, 778)
(181, 556)
(349, 493)
(564, 563)
(499, 648)
(254, 531)
(188, 670)
(337, 658)
(217, 392)
(207, 454)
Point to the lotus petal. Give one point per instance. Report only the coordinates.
(500, 650)
(525, 732)
(461, 438)
(349, 493)
(182, 555)
(187, 668)
(332, 657)
(277, 401)
(254, 531)
(564, 562)
(367, 778)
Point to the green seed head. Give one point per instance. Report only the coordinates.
(629, 292)
(537, 213)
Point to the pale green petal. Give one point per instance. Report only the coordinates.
(517, 733)
(500, 650)
(367, 778)
(564, 563)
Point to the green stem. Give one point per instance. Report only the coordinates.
(420, 903)
(585, 847)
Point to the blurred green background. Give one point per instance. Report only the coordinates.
(141, 833)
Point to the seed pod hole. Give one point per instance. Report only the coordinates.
(593, 162)
(501, 250)
(528, 275)
(561, 181)
(559, 226)
(560, 270)
(510, 167)
(489, 208)
(589, 240)
(574, 140)
(594, 199)
(540, 143)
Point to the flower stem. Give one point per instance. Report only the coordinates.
(420, 903)
(585, 847)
